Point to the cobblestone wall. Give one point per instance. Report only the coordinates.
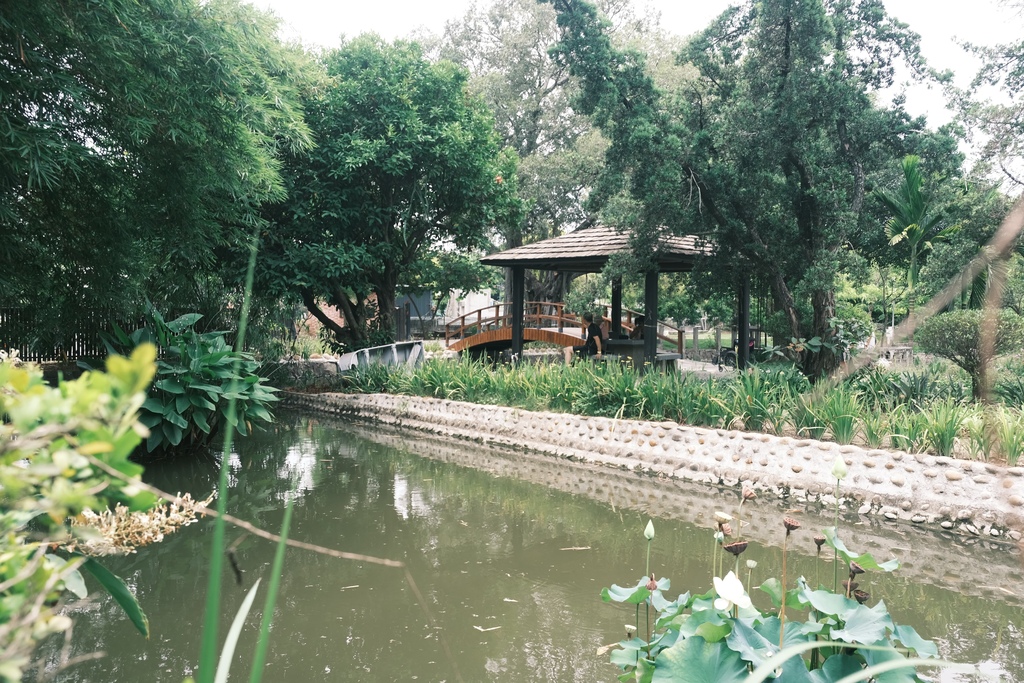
(974, 498)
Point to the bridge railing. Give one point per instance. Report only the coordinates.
(545, 314)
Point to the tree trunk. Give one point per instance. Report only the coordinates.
(340, 333)
(821, 364)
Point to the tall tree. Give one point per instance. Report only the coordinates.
(139, 139)
(1000, 120)
(769, 147)
(406, 161)
(916, 220)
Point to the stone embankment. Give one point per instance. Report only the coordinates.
(974, 498)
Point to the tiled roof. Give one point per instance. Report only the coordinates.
(587, 251)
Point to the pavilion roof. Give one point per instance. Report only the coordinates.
(587, 251)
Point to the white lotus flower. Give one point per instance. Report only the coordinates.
(649, 531)
(730, 592)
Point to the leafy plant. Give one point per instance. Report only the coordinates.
(873, 425)
(908, 429)
(756, 401)
(980, 433)
(944, 419)
(196, 377)
(957, 336)
(840, 413)
(722, 636)
(807, 418)
(1010, 432)
(56, 447)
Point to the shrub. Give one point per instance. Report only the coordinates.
(197, 376)
(957, 337)
(54, 446)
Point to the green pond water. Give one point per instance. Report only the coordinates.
(509, 551)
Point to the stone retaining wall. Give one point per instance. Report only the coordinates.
(975, 498)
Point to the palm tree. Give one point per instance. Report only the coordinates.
(914, 219)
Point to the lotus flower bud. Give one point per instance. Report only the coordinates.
(839, 470)
(649, 531)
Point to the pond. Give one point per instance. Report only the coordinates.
(509, 551)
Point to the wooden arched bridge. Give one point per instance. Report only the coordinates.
(489, 329)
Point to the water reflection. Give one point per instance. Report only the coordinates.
(510, 552)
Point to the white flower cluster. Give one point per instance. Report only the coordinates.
(9, 357)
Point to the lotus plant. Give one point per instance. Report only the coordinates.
(721, 636)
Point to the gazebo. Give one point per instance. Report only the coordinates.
(587, 250)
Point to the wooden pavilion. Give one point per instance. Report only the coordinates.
(587, 250)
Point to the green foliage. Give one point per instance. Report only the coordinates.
(957, 336)
(51, 440)
(945, 418)
(407, 164)
(196, 378)
(774, 139)
(915, 220)
(139, 140)
(721, 635)
(1009, 428)
(840, 412)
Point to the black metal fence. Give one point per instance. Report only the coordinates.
(19, 330)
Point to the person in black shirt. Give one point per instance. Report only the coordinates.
(592, 346)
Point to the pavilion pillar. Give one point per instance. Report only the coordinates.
(650, 317)
(516, 314)
(615, 327)
(743, 323)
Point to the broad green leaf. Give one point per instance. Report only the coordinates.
(201, 402)
(690, 624)
(199, 417)
(865, 625)
(120, 593)
(865, 560)
(713, 633)
(891, 658)
(633, 596)
(624, 658)
(794, 634)
(182, 323)
(153, 405)
(828, 602)
(696, 661)
(750, 645)
(170, 385)
(172, 433)
(837, 666)
(913, 640)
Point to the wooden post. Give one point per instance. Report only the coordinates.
(518, 296)
(743, 352)
(615, 327)
(696, 342)
(651, 318)
(680, 342)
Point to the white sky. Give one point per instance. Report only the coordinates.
(940, 23)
